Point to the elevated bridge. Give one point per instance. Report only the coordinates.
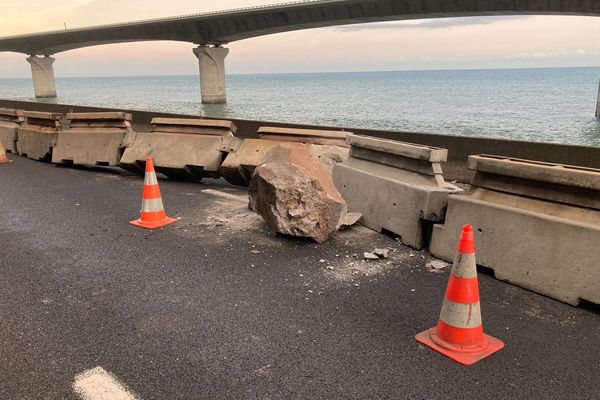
(211, 31)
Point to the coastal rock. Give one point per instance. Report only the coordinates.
(293, 191)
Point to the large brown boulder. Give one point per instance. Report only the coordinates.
(293, 191)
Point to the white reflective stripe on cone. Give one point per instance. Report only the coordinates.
(464, 266)
(150, 178)
(152, 205)
(461, 315)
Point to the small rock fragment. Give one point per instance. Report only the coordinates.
(370, 256)
(350, 219)
(436, 265)
(381, 253)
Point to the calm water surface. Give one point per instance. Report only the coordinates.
(548, 105)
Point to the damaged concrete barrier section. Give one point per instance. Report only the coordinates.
(93, 139)
(37, 138)
(537, 225)
(292, 189)
(10, 121)
(244, 157)
(181, 148)
(396, 186)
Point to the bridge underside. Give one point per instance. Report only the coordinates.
(224, 27)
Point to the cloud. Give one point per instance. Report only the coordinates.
(434, 23)
(567, 54)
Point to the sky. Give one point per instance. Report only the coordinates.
(449, 43)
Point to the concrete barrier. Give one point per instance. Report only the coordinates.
(396, 186)
(10, 121)
(181, 148)
(93, 139)
(459, 147)
(312, 136)
(244, 157)
(537, 225)
(37, 138)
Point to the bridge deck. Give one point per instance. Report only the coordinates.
(217, 28)
(215, 307)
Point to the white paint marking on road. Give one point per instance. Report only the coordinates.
(99, 384)
(242, 199)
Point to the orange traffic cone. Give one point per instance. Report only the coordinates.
(152, 214)
(459, 333)
(3, 158)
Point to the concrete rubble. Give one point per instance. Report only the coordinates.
(377, 254)
(350, 219)
(437, 266)
(381, 253)
(293, 191)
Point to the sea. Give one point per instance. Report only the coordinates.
(541, 105)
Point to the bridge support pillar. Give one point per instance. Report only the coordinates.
(212, 73)
(43, 76)
(598, 103)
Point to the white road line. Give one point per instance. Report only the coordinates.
(242, 199)
(99, 384)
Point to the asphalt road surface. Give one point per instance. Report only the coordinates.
(216, 307)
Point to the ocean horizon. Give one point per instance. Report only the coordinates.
(536, 104)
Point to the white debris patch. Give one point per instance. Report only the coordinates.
(437, 266)
(99, 384)
(376, 254)
(347, 271)
(382, 253)
(224, 216)
(225, 195)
